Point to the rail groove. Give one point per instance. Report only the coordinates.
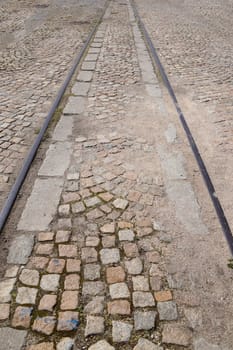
(8, 205)
(204, 172)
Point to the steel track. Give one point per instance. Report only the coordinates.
(203, 169)
(9, 203)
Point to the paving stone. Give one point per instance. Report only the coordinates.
(89, 255)
(47, 302)
(80, 89)
(44, 325)
(41, 346)
(126, 235)
(4, 311)
(115, 274)
(69, 300)
(124, 225)
(140, 283)
(92, 201)
(45, 236)
(106, 197)
(167, 311)
(37, 216)
(64, 224)
(173, 334)
(120, 203)
(94, 325)
(22, 317)
(45, 249)
(119, 307)
(92, 241)
(85, 76)
(121, 331)
(78, 207)
(29, 277)
(144, 344)
(143, 299)
(12, 339)
(156, 283)
(131, 250)
(50, 282)
(65, 344)
(11, 271)
(73, 265)
(134, 266)
(26, 295)
(62, 236)
(38, 262)
(93, 288)
(64, 210)
(109, 256)
(56, 265)
(70, 197)
(75, 105)
(108, 228)
(20, 249)
(119, 291)
(6, 288)
(90, 66)
(72, 282)
(164, 295)
(94, 214)
(106, 209)
(91, 272)
(67, 321)
(144, 320)
(108, 241)
(101, 345)
(95, 306)
(153, 257)
(67, 250)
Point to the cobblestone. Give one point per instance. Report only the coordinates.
(65, 344)
(47, 302)
(134, 266)
(144, 320)
(96, 306)
(95, 325)
(167, 311)
(50, 282)
(144, 344)
(44, 325)
(119, 307)
(4, 311)
(101, 345)
(26, 295)
(121, 331)
(110, 256)
(119, 291)
(178, 335)
(22, 317)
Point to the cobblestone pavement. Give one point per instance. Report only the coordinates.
(38, 41)
(194, 39)
(87, 268)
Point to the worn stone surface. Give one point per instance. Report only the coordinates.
(69, 300)
(119, 307)
(44, 325)
(50, 282)
(37, 215)
(42, 346)
(65, 344)
(119, 291)
(173, 334)
(134, 266)
(92, 272)
(68, 321)
(29, 277)
(94, 325)
(101, 345)
(47, 302)
(144, 344)
(93, 288)
(167, 311)
(95, 306)
(26, 295)
(140, 283)
(110, 256)
(144, 320)
(4, 311)
(6, 287)
(115, 274)
(22, 317)
(121, 331)
(11, 338)
(20, 249)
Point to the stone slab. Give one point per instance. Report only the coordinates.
(63, 129)
(75, 105)
(11, 339)
(57, 159)
(42, 204)
(20, 249)
(80, 88)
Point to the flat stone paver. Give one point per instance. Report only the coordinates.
(11, 338)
